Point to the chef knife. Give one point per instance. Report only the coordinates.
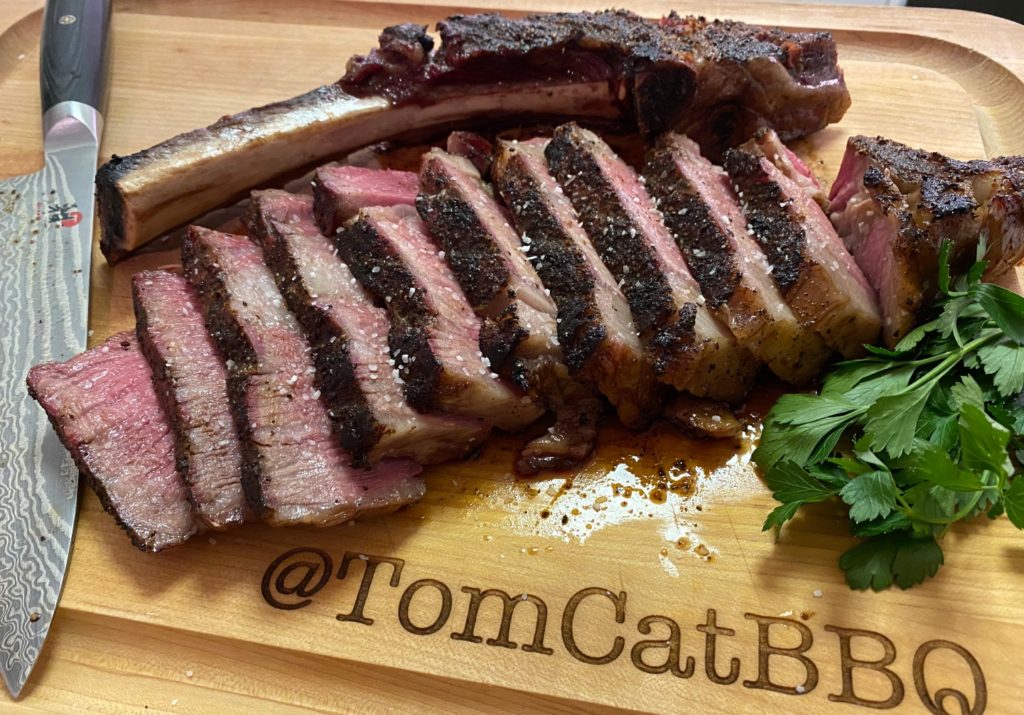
(46, 222)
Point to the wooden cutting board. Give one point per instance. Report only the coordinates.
(642, 581)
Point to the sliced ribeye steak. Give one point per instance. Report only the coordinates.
(812, 268)
(106, 412)
(192, 381)
(595, 327)
(718, 81)
(688, 347)
(294, 469)
(434, 336)
(341, 191)
(894, 205)
(349, 338)
(704, 216)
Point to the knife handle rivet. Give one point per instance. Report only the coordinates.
(67, 19)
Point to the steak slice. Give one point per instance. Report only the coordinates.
(999, 188)
(595, 328)
(487, 259)
(686, 345)
(191, 380)
(349, 337)
(704, 216)
(815, 273)
(294, 468)
(106, 412)
(434, 336)
(477, 149)
(340, 191)
(893, 206)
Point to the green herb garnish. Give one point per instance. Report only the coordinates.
(913, 439)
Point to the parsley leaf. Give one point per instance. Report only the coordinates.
(870, 496)
(892, 420)
(896, 557)
(1005, 363)
(982, 441)
(1005, 308)
(1013, 502)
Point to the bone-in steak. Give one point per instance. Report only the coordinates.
(294, 470)
(687, 346)
(106, 412)
(704, 216)
(349, 337)
(434, 336)
(191, 379)
(815, 273)
(595, 327)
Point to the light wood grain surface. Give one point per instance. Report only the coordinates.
(192, 631)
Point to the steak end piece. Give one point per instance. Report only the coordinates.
(191, 380)
(104, 408)
(340, 191)
(686, 345)
(704, 216)
(349, 338)
(595, 328)
(294, 468)
(434, 336)
(894, 205)
(812, 268)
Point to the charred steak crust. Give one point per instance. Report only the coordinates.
(580, 330)
(766, 209)
(390, 281)
(202, 269)
(351, 417)
(686, 214)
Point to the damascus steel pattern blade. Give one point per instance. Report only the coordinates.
(46, 223)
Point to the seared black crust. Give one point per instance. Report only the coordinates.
(675, 343)
(696, 232)
(500, 336)
(110, 204)
(608, 227)
(81, 458)
(767, 212)
(201, 267)
(351, 417)
(563, 271)
(363, 250)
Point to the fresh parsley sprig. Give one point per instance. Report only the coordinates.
(913, 439)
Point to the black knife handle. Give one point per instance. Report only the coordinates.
(73, 60)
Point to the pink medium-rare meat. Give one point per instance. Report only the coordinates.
(341, 191)
(191, 380)
(106, 412)
(294, 469)
(595, 328)
(349, 338)
(495, 270)
(688, 347)
(718, 81)
(894, 205)
(785, 160)
(812, 268)
(434, 336)
(704, 216)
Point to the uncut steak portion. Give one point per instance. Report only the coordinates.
(595, 328)
(191, 380)
(341, 191)
(434, 336)
(716, 80)
(704, 216)
(484, 252)
(294, 468)
(349, 338)
(688, 348)
(104, 408)
(812, 268)
(894, 205)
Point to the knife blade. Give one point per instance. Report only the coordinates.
(46, 233)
